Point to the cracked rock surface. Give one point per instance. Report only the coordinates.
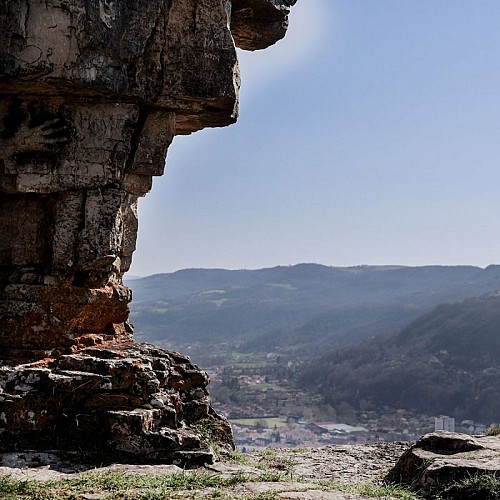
(92, 93)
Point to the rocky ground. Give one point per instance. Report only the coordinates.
(333, 472)
(441, 465)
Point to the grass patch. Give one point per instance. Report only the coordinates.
(372, 490)
(473, 487)
(238, 458)
(268, 495)
(127, 486)
(267, 386)
(224, 495)
(268, 422)
(272, 460)
(187, 485)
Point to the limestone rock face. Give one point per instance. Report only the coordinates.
(440, 459)
(92, 93)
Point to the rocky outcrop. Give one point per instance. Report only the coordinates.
(92, 93)
(130, 403)
(440, 461)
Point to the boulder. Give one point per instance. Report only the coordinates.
(440, 461)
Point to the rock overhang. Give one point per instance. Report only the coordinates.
(171, 56)
(257, 24)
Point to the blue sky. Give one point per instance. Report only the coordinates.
(369, 135)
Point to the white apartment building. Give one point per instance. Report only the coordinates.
(443, 423)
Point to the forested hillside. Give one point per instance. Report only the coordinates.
(445, 362)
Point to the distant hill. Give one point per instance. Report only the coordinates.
(445, 362)
(307, 308)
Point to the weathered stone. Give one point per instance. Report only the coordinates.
(92, 93)
(256, 24)
(99, 399)
(440, 459)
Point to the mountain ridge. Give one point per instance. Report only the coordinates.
(290, 303)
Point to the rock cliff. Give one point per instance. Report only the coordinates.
(92, 93)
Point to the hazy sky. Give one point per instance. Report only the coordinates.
(369, 135)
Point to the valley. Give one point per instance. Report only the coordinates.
(309, 355)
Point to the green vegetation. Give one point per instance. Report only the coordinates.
(142, 487)
(455, 344)
(128, 486)
(267, 386)
(494, 430)
(473, 487)
(272, 460)
(236, 457)
(266, 423)
(372, 491)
